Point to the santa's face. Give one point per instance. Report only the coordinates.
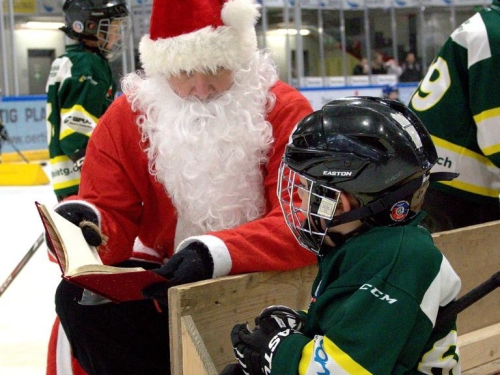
(200, 85)
(208, 145)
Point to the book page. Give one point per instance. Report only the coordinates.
(83, 266)
(102, 269)
(77, 252)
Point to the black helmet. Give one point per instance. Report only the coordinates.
(92, 20)
(375, 150)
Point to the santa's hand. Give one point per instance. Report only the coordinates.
(193, 263)
(85, 217)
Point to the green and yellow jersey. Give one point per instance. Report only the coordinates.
(459, 103)
(373, 309)
(79, 89)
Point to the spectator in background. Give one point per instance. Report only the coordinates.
(378, 63)
(392, 67)
(181, 176)
(459, 103)
(391, 92)
(410, 69)
(80, 86)
(361, 68)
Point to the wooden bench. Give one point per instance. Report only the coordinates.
(202, 314)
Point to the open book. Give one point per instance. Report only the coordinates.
(81, 265)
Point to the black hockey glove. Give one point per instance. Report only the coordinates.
(84, 217)
(232, 369)
(274, 318)
(255, 349)
(278, 317)
(193, 263)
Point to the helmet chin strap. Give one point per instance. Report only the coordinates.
(374, 208)
(339, 238)
(388, 200)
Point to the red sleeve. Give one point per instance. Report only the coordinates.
(109, 180)
(267, 243)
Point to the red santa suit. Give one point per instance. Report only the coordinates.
(139, 218)
(132, 203)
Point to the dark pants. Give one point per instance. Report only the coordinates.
(115, 339)
(447, 211)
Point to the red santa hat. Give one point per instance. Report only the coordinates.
(194, 35)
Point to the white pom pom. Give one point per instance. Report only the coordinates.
(240, 14)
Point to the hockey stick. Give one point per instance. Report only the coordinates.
(452, 309)
(22, 263)
(4, 136)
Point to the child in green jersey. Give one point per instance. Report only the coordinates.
(351, 186)
(81, 86)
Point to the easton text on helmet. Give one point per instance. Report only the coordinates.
(338, 173)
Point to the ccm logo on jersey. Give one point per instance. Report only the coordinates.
(378, 293)
(337, 173)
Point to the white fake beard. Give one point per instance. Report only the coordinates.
(209, 155)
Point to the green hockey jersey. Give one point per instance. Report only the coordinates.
(459, 103)
(373, 309)
(79, 89)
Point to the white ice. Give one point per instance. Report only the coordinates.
(27, 306)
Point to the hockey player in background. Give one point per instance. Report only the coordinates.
(180, 175)
(351, 185)
(459, 104)
(80, 86)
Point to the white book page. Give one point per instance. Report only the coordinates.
(78, 251)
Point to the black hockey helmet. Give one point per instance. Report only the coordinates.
(92, 20)
(375, 150)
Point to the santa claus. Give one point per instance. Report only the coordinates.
(181, 175)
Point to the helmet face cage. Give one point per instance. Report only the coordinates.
(307, 207)
(107, 24)
(112, 35)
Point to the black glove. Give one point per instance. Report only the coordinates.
(232, 369)
(278, 317)
(193, 263)
(78, 157)
(84, 217)
(3, 132)
(255, 349)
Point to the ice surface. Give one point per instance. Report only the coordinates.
(27, 306)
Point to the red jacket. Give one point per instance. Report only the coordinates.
(116, 180)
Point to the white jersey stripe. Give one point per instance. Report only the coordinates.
(472, 35)
(444, 288)
(488, 131)
(453, 158)
(63, 353)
